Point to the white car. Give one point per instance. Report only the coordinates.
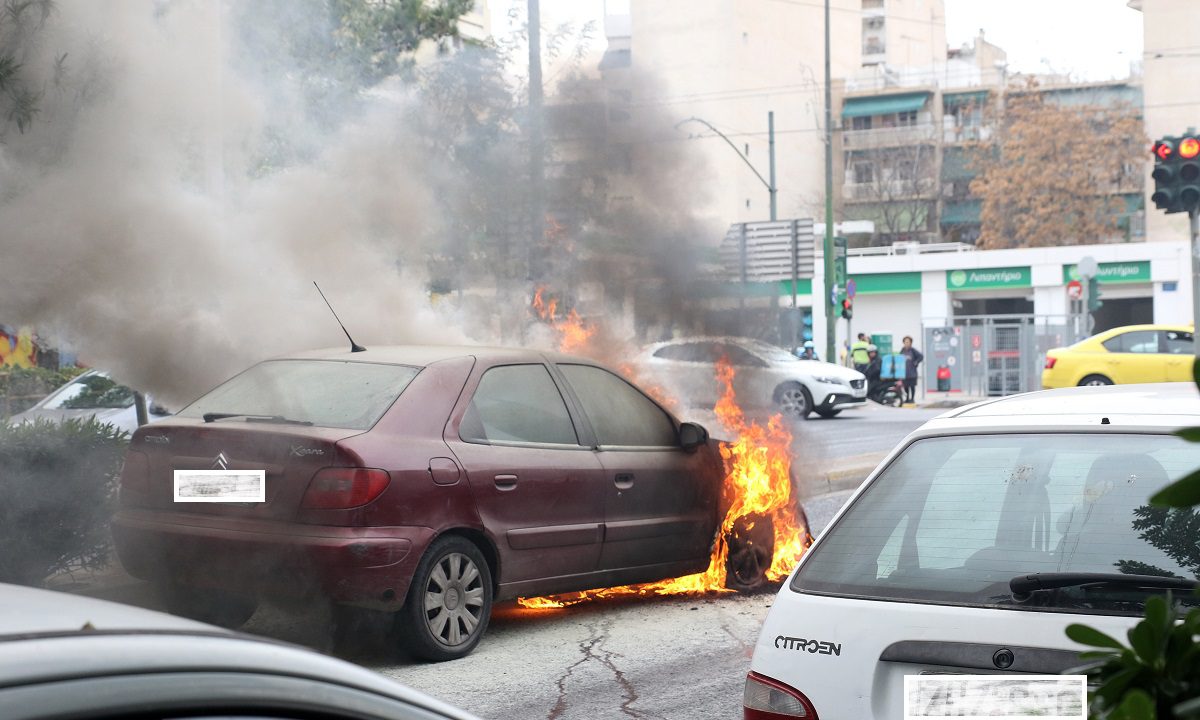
(976, 543)
(91, 394)
(765, 376)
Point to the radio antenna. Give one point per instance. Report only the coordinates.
(354, 347)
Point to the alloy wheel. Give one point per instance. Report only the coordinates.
(454, 600)
(793, 402)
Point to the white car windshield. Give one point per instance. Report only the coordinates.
(955, 519)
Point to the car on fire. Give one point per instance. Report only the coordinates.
(976, 542)
(428, 482)
(87, 659)
(766, 376)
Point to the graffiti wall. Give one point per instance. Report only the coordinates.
(17, 348)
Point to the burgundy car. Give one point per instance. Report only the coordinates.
(425, 481)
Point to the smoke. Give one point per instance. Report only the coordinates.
(194, 166)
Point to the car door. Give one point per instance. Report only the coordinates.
(1135, 357)
(660, 501)
(1180, 350)
(540, 494)
(753, 383)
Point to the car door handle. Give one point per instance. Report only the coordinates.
(624, 481)
(506, 482)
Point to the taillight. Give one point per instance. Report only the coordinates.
(337, 488)
(135, 474)
(1050, 360)
(768, 699)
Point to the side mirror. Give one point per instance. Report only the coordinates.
(692, 436)
(156, 409)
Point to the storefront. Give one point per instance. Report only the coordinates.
(1009, 306)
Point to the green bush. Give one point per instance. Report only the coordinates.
(57, 493)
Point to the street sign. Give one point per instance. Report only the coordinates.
(1075, 289)
(851, 288)
(1088, 267)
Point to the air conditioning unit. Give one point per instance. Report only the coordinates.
(907, 247)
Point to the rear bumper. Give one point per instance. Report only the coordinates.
(366, 566)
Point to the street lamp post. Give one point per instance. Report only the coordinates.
(769, 184)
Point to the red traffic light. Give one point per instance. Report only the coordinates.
(1189, 148)
(1162, 149)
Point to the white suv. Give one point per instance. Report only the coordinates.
(975, 544)
(766, 377)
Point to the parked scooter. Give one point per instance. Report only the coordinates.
(887, 392)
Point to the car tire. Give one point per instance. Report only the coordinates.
(751, 545)
(449, 602)
(794, 401)
(215, 607)
(827, 413)
(1095, 381)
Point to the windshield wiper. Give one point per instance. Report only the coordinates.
(211, 417)
(1023, 586)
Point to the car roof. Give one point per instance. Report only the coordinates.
(424, 355)
(1154, 326)
(49, 636)
(1112, 408)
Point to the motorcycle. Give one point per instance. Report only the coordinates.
(887, 392)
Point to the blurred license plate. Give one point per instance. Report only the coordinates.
(221, 486)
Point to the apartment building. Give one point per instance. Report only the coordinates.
(905, 146)
(730, 63)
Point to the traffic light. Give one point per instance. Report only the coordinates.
(1094, 301)
(847, 308)
(1177, 173)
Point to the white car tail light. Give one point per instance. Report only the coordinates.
(769, 699)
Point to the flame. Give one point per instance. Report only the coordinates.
(757, 482)
(573, 333)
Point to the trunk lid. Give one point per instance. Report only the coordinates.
(289, 455)
(849, 656)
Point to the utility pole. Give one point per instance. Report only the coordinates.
(830, 314)
(1194, 225)
(537, 150)
(772, 188)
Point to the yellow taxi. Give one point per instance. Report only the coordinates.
(1130, 354)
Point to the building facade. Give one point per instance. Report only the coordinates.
(730, 63)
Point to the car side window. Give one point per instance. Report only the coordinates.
(620, 414)
(676, 352)
(739, 357)
(518, 404)
(1179, 343)
(1135, 341)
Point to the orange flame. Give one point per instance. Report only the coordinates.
(573, 333)
(757, 482)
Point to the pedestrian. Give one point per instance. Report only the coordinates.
(910, 368)
(858, 353)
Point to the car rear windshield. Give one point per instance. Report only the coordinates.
(326, 393)
(954, 519)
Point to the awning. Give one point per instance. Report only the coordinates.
(977, 97)
(883, 104)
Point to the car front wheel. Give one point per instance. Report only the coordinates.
(449, 602)
(794, 401)
(751, 546)
(1095, 381)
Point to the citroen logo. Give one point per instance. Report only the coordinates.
(221, 462)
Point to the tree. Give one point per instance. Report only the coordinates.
(898, 185)
(21, 21)
(1055, 172)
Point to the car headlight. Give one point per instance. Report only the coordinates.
(830, 380)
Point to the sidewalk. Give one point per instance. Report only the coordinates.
(947, 401)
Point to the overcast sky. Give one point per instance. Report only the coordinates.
(1091, 39)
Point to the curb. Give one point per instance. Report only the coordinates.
(846, 477)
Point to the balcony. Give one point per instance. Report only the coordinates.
(888, 137)
(889, 191)
(966, 133)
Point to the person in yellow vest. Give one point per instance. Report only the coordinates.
(858, 352)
